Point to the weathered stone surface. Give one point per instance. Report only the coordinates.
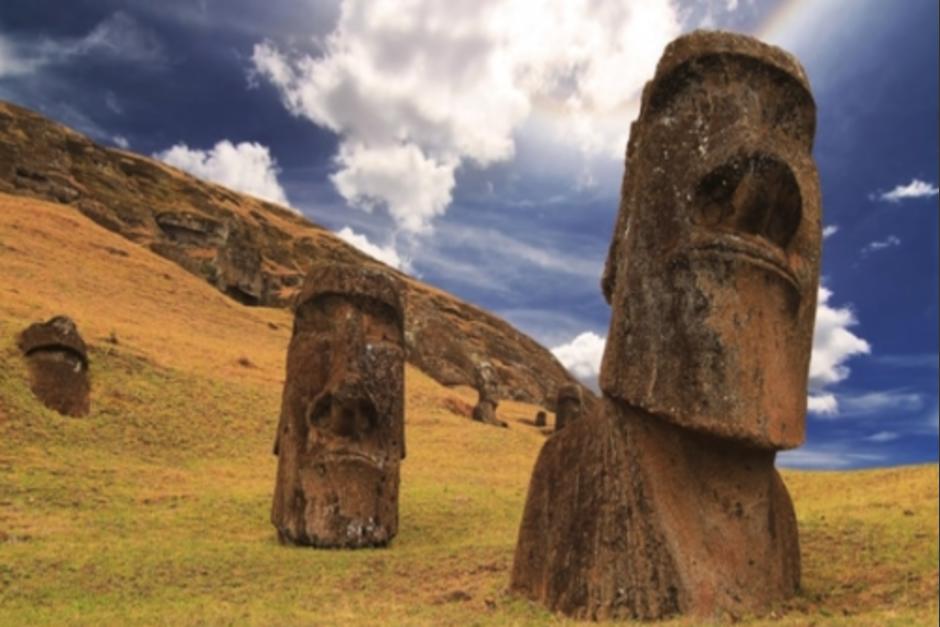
(341, 434)
(628, 516)
(666, 500)
(58, 365)
(569, 405)
(714, 263)
(255, 252)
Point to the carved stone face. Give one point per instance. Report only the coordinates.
(713, 270)
(58, 364)
(341, 437)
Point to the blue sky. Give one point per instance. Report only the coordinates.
(478, 145)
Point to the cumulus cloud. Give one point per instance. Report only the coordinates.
(833, 343)
(888, 242)
(385, 254)
(915, 189)
(246, 167)
(822, 404)
(582, 355)
(829, 230)
(120, 141)
(416, 89)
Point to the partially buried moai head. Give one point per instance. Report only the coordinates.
(58, 363)
(568, 406)
(713, 269)
(341, 435)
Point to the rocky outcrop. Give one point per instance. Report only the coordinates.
(254, 251)
(58, 365)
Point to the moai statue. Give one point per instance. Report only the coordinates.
(666, 500)
(541, 419)
(488, 396)
(568, 407)
(341, 434)
(58, 365)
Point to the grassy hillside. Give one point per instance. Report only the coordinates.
(154, 508)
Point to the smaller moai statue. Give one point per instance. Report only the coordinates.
(341, 434)
(541, 419)
(58, 365)
(488, 396)
(569, 405)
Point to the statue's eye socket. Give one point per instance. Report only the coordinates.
(754, 195)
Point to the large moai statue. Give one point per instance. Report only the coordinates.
(568, 406)
(666, 500)
(341, 434)
(58, 365)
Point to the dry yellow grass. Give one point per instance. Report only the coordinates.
(154, 508)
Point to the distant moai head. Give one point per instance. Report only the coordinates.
(540, 419)
(341, 435)
(487, 394)
(713, 269)
(568, 406)
(58, 363)
(486, 383)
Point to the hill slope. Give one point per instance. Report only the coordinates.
(253, 251)
(154, 508)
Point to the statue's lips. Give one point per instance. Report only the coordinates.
(346, 457)
(750, 250)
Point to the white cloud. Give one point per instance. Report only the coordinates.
(385, 254)
(246, 167)
(582, 355)
(826, 457)
(888, 242)
(415, 89)
(883, 436)
(119, 36)
(120, 141)
(822, 404)
(881, 402)
(833, 344)
(414, 188)
(915, 189)
(829, 230)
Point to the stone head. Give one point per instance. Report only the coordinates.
(343, 405)
(713, 268)
(58, 362)
(568, 406)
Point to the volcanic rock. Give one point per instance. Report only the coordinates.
(254, 251)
